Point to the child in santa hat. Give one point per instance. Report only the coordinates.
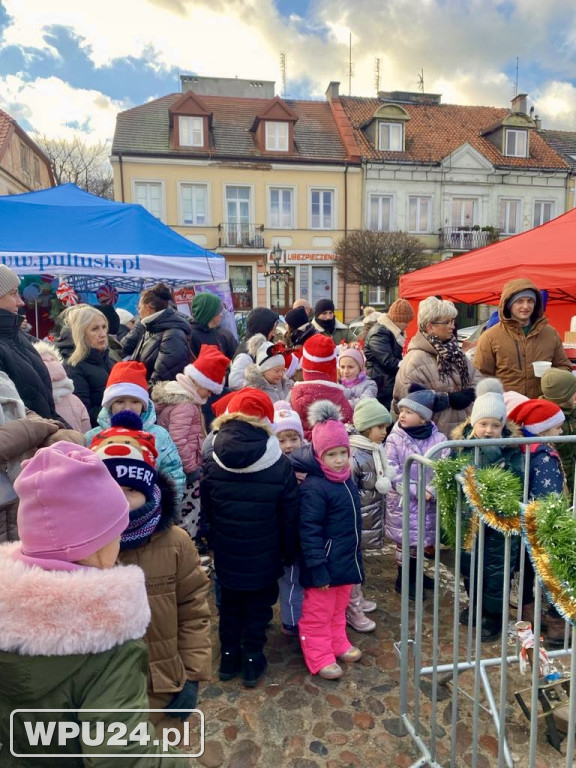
(352, 373)
(250, 494)
(127, 390)
(178, 636)
(271, 370)
(330, 535)
(179, 407)
(320, 374)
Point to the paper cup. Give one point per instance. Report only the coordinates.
(540, 368)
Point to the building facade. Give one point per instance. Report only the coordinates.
(23, 165)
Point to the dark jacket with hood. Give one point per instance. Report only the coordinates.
(178, 637)
(259, 320)
(89, 376)
(330, 526)
(216, 337)
(20, 361)
(163, 345)
(383, 349)
(250, 495)
(506, 352)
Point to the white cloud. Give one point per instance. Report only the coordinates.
(554, 103)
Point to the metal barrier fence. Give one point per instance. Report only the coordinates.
(424, 665)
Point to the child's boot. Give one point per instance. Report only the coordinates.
(230, 663)
(356, 619)
(368, 606)
(254, 667)
(411, 582)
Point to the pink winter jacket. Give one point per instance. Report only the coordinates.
(305, 393)
(68, 406)
(176, 412)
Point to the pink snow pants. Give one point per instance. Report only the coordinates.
(322, 626)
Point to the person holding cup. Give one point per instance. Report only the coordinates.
(519, 348)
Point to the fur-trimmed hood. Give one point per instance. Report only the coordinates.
(393, 328)
(46, 349)
(170, 393)
(253, 377)
(63, 613)
(464, 431)
(244, 444)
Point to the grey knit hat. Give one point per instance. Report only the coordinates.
(9, 280)
(489, 403)
(421, 402)
(527, 293)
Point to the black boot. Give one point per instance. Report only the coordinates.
(411, 582)
(230, 663)
(254, 666)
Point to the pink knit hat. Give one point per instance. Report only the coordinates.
(354, 352)
(70, 507)
(512, 399)
(327, 431)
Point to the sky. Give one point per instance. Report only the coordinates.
(69, 66)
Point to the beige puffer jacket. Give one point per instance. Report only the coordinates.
(506, 352)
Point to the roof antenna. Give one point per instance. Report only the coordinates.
(421, 81)
(283, 59)
(516, 86)
(377, 75)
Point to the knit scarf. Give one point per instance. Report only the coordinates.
(143, 522)
(383, 474)
(353, 382)
(328, 325)
(421, 432)
(450, 356)
(188, 385)
(330, 474)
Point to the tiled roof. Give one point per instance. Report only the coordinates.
(6, 123)
(563, 142)
(434, 131)
(144, 130)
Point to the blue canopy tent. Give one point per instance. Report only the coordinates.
(70, 233)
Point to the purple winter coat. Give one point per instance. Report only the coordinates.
(399, 445)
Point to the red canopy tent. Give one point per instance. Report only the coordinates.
(546, 255)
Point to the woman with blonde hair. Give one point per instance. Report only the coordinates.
(84, 346)
(435, 361)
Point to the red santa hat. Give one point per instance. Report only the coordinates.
(249, 401)
(127, 379)
(319, 359)
(208, 370)
(537, 416)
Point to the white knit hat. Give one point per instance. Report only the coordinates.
(285, 418)
(489, 403)
(263, 351)
(8, 280)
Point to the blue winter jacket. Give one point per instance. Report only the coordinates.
(168, 462)
(330, 526)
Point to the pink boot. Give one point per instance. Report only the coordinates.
(355, 617)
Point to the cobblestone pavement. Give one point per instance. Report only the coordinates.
(295, 720)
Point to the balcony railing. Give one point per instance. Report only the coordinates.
(240, 235)
(467, 239)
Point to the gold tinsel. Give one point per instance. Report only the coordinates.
(506, 525)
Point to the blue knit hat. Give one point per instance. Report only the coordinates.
(424, 402)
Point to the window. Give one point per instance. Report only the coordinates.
(380, 213)
(24, 158)
(390, 137)
(322, 209)
(321, 284)
(191, 130)
(543, 212)
(509, 216)
(149, 195)
(419, 214)
(276, 136)
(36, 170)
(516, 143)
(194, 205)
(281, 208)
(377, 295)
(464, 212)
(241, 287)
(238, 227)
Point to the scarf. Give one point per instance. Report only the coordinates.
(328, 325)
(422, 432)
(384, 475)
(330, 474)
(143, 522)
(188, 386)
(450, 356)
(353, 382)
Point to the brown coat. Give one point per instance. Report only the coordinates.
(420, 366)
(178, 636)
(506, 352)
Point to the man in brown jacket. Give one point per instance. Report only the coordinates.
(523, 336)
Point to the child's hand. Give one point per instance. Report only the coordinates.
(325, 587)
(429, 496)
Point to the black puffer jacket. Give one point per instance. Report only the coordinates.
(250, 495)
(383, 358)
(20, 361)
(90, 377)
(163, 345)
(330, 526)
(217, 337)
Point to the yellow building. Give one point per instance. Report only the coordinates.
(244, 176)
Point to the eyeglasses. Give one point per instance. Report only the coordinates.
(444, 322)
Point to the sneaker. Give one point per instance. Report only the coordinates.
(514, 587)
(290, 630)
(230, 664)
(356, 619)
(331, 672)
(368, 606)
(352, 655)
(254, 667)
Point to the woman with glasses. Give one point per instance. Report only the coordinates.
(435, 361)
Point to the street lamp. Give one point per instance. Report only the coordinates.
(278, 274)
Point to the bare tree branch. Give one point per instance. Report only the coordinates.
(86, 165)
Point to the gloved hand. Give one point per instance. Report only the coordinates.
(186, 699)
(461, 400)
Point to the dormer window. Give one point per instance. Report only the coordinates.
(390, 137)
(191, 131)
(277, 136)
(516, 143)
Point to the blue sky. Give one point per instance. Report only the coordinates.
(69, 66)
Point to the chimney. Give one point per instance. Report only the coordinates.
(333, 91)
(519, 103)
(537, 122)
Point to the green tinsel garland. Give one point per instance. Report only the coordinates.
(501, 490)
(447, 493)
(556, 530)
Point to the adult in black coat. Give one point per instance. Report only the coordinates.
(250, 495)
(161, 338)
(18, 358)
(384, 346)
(84, 346)
(205, 324)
